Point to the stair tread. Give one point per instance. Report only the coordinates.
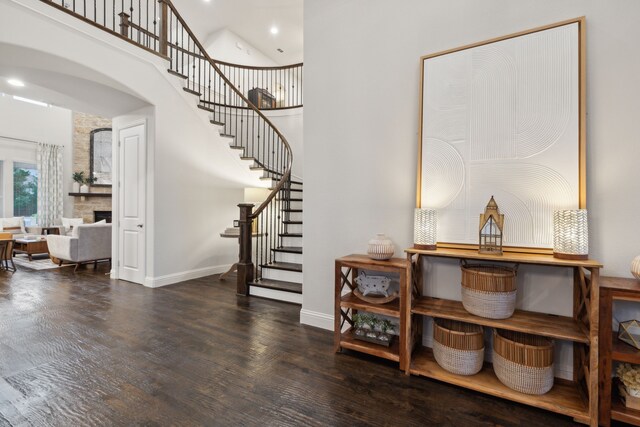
(215, 122)
(227, 135)
(289, 249)
(202, 107)
(288, 266)
(289, 200)
(292, 222)
(176, 73)
(279, 285)
(191, 91)
(290, 234)
(291, 210)
(299, 190)
(236, 147)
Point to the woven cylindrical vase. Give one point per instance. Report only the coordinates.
(635, 267)
(570, 234)
(424, 229)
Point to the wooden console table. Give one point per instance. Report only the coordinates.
(346, 270)
(613, 350)
(578, 398)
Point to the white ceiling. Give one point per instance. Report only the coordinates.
(251, 20)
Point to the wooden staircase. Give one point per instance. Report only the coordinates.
(270, 260)
(281, 279)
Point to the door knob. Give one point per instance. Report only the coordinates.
(140, 225)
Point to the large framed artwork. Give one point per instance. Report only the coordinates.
(504, 118)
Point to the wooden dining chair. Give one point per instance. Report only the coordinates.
(6, 252)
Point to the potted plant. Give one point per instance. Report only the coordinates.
(629, 376)
(78, 180)
(87, 182)
(358, 324)
(386, 328)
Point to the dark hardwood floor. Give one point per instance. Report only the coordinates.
(80, 349)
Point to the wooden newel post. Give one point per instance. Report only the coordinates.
(124, 24)
(245, 264)
(164, 27)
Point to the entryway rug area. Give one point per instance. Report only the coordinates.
(40, 262)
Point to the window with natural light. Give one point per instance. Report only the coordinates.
(25, 192)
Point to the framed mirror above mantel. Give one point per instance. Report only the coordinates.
(100, 157)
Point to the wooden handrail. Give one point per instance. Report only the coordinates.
(254, 67)
(287, 173)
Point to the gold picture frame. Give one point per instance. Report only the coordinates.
(569, 38)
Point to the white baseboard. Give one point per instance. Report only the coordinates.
(317, 319)
(170, 279)
(561, 371)
(275, 294)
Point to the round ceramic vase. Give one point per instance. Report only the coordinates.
(380, 247)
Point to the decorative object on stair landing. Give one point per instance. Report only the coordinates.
(490, 230)
(381, 247)
(629, 332)
(571, 234)
(424, 229)
(374, 289)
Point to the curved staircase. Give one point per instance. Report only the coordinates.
(270, 263)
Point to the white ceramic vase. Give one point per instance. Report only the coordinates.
(380, 247)
(635, 267)
(84, 188)
(75, 187)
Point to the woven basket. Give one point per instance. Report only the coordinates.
(458, 347)
(523, 362)
(489, 290)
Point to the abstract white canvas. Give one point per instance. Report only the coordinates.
(503, 119)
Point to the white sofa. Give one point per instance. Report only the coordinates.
(89, 243)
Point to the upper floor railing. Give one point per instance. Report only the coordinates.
(142, 22)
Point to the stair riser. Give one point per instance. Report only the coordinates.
(293, 216)
(288, 257)
(288, 276)
(291, 241)
(294, 228)
(295, 205)
(276, 295)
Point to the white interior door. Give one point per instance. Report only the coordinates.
(132, 196)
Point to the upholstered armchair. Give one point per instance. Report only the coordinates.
(89, 243)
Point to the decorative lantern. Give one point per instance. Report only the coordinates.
(424, 229)
(491, 225)
(629, 332)
(570, 234)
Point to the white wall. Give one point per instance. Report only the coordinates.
(290, 123)
(196, 180)
(21, 120)
(227, 46)
(361, 152)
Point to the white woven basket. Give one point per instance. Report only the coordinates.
(458, 347)
(525, 379)
(491, 305)
(459, 362)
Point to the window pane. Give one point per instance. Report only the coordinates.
(25, 192)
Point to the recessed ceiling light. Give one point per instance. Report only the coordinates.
(274, 30)
(15, 82)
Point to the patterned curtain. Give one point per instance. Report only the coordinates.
(50, 189)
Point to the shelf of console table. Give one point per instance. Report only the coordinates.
(566, 397)
(548, 325)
